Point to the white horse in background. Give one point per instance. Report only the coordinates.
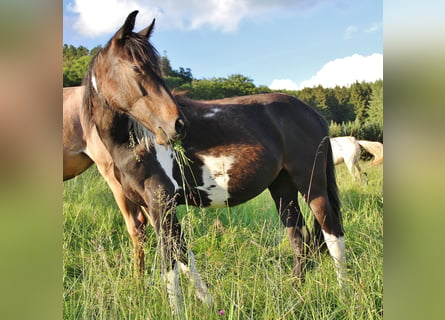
(347, 150)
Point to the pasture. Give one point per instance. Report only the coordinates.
(242, 253)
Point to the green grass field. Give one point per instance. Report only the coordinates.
(242, 253)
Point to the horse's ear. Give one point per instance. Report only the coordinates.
(127, 28)
(148, 31)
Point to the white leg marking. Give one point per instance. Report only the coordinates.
(336, 246)
(202, 292)
(174, 290)
(216, 178)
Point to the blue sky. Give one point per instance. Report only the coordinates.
(278, 43)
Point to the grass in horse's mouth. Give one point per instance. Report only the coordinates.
(180, 157)
(183, 162)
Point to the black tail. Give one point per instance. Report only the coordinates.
(334, 198)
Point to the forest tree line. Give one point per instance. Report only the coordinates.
(355, 110)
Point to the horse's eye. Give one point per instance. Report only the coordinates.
(136, 69)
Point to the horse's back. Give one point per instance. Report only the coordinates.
(279, 119)
(75, 161)
(72, 127)
(264, 133)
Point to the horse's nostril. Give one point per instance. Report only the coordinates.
(180, 125)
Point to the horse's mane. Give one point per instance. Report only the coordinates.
(139, 135)
(143, 52)
(89, 92)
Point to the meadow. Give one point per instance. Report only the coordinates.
(242, 253)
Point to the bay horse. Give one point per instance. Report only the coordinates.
(234, 149)
(347, 150)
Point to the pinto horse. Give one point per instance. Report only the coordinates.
(347, 150)
(235, 148)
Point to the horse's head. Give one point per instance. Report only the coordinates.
(126, 74)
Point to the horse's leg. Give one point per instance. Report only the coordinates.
(135, 220)
(353, 162)
(190, 270)
(161, 208)
(318, 238)
(357, 170)
(285, 195)
(174, 254)
(352, 169)
(316, 181)
(332, 231)
(323, 200)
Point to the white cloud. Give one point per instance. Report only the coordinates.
(341, 72)
(376, 26)
(96, 17)
(350, 31)
(285, 84)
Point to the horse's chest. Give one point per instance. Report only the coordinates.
(210, 177)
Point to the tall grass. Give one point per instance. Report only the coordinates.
(242, 253)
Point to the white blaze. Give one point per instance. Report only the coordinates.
(94, 83)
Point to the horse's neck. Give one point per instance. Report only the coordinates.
(111, 126)
(120, 134)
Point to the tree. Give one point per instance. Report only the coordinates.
(322, 100)
(360, 96)
(218, 88)
(71, 53)
(375, 110)
(74, 74)
(307, 96)
(343, 110)
(175, 79)
(94, 51)
(166, 68)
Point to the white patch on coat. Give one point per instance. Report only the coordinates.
(215, 175)
(202, 292)
(336, 247)
(165, 159)
(212, 112)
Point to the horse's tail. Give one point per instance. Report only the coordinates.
(373, 147)
(332, 182)
(333, 196)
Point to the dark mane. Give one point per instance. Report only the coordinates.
(140, 50)
(89, 92)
